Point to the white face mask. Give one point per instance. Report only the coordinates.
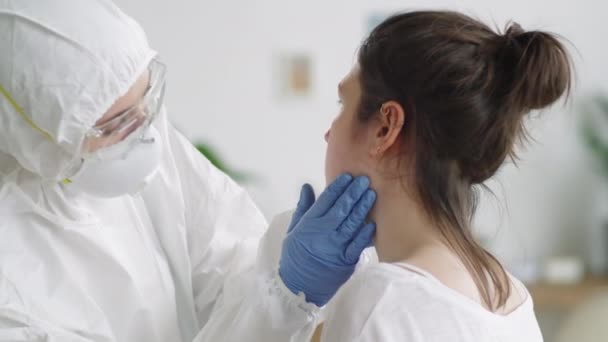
(124, 168)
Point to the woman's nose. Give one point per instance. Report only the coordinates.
(327, 135)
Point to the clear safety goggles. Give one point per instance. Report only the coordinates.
(133, 122)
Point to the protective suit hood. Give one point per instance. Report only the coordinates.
(63, 64)
(178, 261)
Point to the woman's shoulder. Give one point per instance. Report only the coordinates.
(385, 302)
(386, 284)
(415, 290)
(388, 302)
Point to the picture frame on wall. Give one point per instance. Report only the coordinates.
(294, 75)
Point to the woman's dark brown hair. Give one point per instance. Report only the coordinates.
(465, 90)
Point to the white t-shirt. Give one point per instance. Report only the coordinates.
(400, 302)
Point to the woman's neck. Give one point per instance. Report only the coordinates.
(403, 228)
(404, 233)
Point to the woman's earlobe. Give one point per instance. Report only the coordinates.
(375, 152)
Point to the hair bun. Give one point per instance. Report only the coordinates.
(513, 31)
(512, 40)
(532, 69)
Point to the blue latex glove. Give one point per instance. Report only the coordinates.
(326, 238)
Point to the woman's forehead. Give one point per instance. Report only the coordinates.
(350, 82)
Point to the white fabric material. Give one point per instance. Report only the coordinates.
(64, 62)
(390, 302)
(175, 261)
(125, 169)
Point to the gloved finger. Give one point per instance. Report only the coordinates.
(345, 204)
(362, 240)
(357, 216)
(331, 194)
(307, 199)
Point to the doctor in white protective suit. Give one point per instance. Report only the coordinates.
(114, 228)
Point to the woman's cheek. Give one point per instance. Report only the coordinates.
(330, 163)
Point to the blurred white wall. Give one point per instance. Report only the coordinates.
(222, 90)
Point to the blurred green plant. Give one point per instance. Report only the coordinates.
(213, 156)
(594, 129)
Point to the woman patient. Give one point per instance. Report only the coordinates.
(433, 107)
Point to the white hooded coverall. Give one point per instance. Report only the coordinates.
(177, 262)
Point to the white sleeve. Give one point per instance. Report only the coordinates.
(238, 295)
(16, 325)
(255, 305)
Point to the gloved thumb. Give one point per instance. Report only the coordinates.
(307, 199)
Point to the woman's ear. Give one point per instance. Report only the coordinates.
(388, 128)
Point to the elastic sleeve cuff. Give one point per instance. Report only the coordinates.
(287, 309)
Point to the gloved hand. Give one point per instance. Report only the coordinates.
(326, 238)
